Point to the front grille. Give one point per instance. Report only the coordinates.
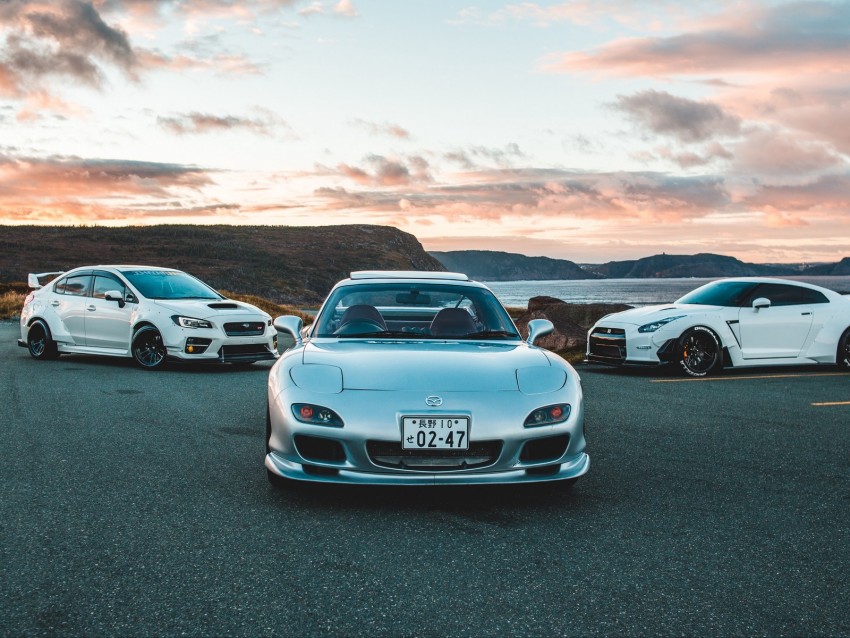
(391, 454)
(607, 345)
(244, 328)
(245, 353)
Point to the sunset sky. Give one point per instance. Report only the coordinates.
(588, 130)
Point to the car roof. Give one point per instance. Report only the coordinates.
(408, 274)
(777, 280)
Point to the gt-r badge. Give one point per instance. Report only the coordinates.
(434, 401)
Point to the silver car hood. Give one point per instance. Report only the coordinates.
(427, 366)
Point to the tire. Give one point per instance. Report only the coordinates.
(39, 343)
(148, 350)
(842, 357)
(698, 352)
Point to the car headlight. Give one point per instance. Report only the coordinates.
(549, 415)
(190, 322)
(655, 325)
(316, 415)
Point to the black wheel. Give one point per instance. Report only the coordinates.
(148, 349)
(699, 351)
(39, 343)
(843, 356)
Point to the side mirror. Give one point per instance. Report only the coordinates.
(761, 302)
(539, 328)
(114, 295)
(291, 325)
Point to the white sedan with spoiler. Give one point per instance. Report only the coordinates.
(742, 322)
(150, 314)
(421, 378)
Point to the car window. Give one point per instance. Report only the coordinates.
(77, 285)
(787, 295)
(169, 284)
(103, 284)
(414, 310)
(720, 293)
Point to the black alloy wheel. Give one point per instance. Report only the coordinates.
(39, 343)
(699, 351)
(843, 356)
(148, 349)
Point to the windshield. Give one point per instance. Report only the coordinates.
(414, 311)
(169, 284)
(720, 293)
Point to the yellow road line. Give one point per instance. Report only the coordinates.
(832, 403)
(762, 376)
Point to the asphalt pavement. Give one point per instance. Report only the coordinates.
(135, 503)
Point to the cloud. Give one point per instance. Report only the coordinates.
(801, 37)
(42, 189)
(67, 39)
(677, 117)
(475, 157)
(202, 123)
(385, 128)
(789, 158)
(345, 8)
(382, 171)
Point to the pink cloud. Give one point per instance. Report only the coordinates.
(805, 37)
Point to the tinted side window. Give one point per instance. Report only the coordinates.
(102, 285)
(788, 295)
(77, 285)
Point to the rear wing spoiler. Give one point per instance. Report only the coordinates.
(33, 278)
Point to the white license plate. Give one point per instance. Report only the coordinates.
(435, 433)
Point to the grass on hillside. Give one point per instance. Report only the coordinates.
(11, 304)
(274, 309)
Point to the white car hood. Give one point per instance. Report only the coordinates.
(427, 366)
(200, 308)
(648, 314)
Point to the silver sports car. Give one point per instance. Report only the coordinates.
(420, 378)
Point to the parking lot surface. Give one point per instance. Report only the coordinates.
(135, 503)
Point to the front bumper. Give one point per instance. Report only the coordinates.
(617, 344)
(570, 469)
(215, 345)
(367, 449)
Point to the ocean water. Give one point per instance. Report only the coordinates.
(635, 292)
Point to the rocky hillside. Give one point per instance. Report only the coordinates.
(572, 321)
(287, 264)
(838, 269)
(491, 265)
(699, 265)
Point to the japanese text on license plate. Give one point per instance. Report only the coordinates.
(435, 433)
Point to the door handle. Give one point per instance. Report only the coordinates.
(54, 303)
(805, 313)
(91, 307)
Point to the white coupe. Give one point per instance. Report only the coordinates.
(150, 314)
(737, 323)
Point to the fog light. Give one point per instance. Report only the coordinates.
(197, 345)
